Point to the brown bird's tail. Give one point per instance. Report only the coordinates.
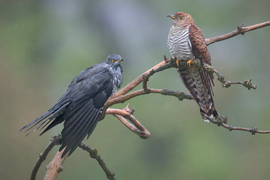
(195, 82)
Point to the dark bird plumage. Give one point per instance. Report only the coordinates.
(81, 106)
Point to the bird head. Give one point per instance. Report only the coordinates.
(114, 60)
(182, 19)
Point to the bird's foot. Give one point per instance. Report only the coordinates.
(189, 62)
(177, 62)
(222, 119)
(219, 120)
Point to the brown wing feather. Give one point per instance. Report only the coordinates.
(200, 51)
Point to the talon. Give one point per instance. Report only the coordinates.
(177, 62)
(189, 62)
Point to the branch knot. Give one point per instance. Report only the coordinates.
(241, 29)
(253, 130)
(249, 85)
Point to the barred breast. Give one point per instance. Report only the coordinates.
(179, 43)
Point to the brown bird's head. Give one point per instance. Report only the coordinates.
(182, 19)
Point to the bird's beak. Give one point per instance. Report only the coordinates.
(120, 60)
(171, 16)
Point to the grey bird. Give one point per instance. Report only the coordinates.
(82, 105)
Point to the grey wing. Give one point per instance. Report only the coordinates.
(88, 97)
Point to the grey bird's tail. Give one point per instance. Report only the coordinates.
(54, 114)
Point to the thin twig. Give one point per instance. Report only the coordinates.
(93, 152)
(252, 130)
(222, 121)
(135, 126)
(226, 84)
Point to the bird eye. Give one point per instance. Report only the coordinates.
(112, 60)
(181, 17)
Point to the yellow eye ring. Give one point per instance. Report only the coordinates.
(111, 60)
(181, 17)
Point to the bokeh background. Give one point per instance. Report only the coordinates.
(45, 44)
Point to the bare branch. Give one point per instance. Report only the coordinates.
(139, 129)
(43, 155)
(240, 30)
(253, 130)
(93, 152)
(222, 121)
(135, 126)
(178, 94)
(167, 63)
(226, 84)
(121, 112)
(114, 99)
(55, 166)
(137, 81)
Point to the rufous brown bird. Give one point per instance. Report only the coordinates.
(187, 43)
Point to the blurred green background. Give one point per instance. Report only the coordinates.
(45, 44)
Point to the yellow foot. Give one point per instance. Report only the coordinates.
(189, 62)
(177, 62)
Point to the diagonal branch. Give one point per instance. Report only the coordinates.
(240, 30)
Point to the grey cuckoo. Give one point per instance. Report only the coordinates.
(82, 105)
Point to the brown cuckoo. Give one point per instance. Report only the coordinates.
(187, 43)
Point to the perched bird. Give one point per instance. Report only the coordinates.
(82, 105)
(187, 43)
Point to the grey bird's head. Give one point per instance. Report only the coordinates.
(114, 60)
(114, 65)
